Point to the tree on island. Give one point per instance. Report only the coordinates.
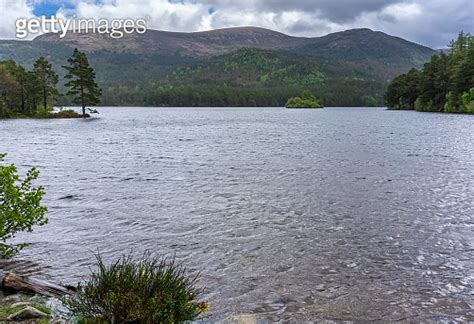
(8, 89)
(307, 100)
(82, 85)
(26, 93)
(22, 79)
(48, 79)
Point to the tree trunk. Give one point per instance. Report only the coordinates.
(34, 105)
(83, 103)
(17, 283)
(23, 99)
(45, 98)
(2, 107)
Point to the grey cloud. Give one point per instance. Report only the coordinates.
(338, 11)
(334, 10)
(437, 22)
(430, 22)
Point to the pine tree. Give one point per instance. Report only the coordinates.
(33, 92)
(8, 89)
(22, 78)
(82, 85)
(444, 84)
(463, 79)
(48, 79)
(461, 43)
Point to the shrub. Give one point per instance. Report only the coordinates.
(67, 113)
(49, 113)
(43, 112)
(20, 206)
(150, 290)
(468, 102)
(450, 105)
(307, 100)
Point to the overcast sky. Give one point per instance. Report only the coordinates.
(429, 22)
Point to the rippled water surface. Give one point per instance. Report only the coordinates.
(345, 214)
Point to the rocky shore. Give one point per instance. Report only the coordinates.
(29, 300)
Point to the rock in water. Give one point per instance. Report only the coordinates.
(26, 314)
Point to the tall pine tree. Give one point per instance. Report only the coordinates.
(82, 85)
(48, 79)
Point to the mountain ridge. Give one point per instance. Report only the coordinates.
(161, 61)
(196, 44)
(207, 43)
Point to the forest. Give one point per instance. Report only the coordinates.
(26, 93)
(249, 78)
(244, 78)
(445, 84)
(34, 93)
(351, 93)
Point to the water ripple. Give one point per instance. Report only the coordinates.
(340, 214)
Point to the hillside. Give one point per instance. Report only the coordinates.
(249, 67)
(255, 77)
(376, 52)
(198, 44)
(158, 61)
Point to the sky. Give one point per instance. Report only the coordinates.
(429, 22)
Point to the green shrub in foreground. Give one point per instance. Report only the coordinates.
(147, 291)
(20, 206)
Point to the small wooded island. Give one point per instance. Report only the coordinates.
(33, 94)
(307, 100)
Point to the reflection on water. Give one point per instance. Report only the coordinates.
(360, 214)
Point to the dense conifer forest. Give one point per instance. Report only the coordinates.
(445, 84)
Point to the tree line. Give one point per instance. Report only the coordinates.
(445, 84)
(348, 93)
(247, 78)
(34, 93)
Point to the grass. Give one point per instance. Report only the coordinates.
(65, 113)
(5, 312)
(45, 114)
(150, 290)
(43, 309)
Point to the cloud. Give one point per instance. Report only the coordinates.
(10, 11)
(432, 23)
(160, 14)
(338, 11)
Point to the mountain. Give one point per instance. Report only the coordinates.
(198, 44)
(356, 45)
(158, 61)
(380, 54)
(280, 73)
